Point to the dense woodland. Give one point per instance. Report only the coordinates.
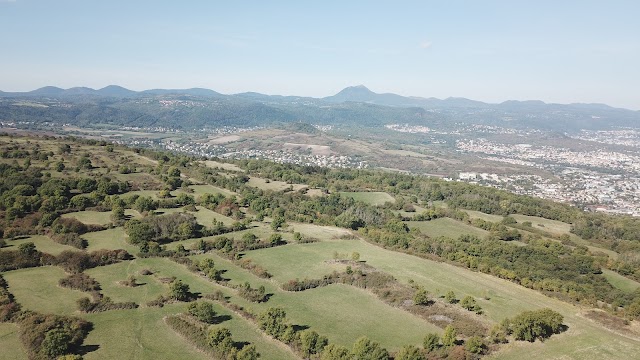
(33, 200)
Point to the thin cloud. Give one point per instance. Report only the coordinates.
(425, 44)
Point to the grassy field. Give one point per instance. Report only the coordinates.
(551, 226)
(319, 232)
(274, 185)
(138, 177)
(205, 217)
(142, 331)
(554, 227)
(418, 210)
(110, 278)
(505, 298)
(372, 198)
(43, 295)
(138, 334)
(224, 166)
(620, 281)
(342, 313)
(446, 227)
(10, 346)
(486, 217)
(90, 217)
(199, 190)
(310, 261)
(235, 274)
(42, 243)
(243, 330)
(313, 260)
(109, 239)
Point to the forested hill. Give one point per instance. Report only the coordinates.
(355, 106)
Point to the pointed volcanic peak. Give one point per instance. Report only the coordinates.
(362, 94)
(358, 93)
(115, 91)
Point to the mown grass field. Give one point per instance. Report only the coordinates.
(371, 198)
(551, 226)
(10, 346)
(138, 334)
(143, 334)
(319, 232)
(620, 281)
(109, 239)
(486, 217)
(446, 227)
(42, 243)
(205, 217)
(37, 289)
(224, 166)
(344, 313)
(111, 277)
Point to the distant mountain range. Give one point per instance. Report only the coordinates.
(353, 106)
(111, 91)
(359, 93)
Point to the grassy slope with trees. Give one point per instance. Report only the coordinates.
(224, 238)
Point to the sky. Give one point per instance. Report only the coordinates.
(556, 51)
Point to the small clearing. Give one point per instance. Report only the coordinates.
(371, 198)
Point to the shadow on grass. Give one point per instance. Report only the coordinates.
(298, 328)
(85, 349)
(221, 318)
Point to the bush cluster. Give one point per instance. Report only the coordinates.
(102, 303)
(78, 261)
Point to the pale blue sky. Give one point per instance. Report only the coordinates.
(555, 51)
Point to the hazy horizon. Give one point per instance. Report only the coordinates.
(568, 52)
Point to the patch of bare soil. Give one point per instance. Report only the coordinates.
(616, 324)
